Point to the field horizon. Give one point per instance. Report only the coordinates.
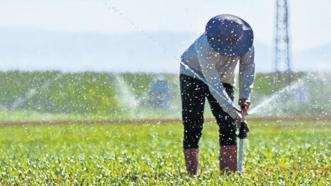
(54, 95)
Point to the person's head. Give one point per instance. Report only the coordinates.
(229, 35)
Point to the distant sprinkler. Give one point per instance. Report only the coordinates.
(160, 93)
(282, 59)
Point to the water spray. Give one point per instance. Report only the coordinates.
(126, 97)
(33, 92)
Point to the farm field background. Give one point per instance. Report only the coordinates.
(54, 129)
(278, 153)
(53, 95)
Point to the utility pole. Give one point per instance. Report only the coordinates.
(282, 58)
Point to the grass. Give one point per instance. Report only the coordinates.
(279, 153)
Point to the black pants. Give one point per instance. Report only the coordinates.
(193, 94)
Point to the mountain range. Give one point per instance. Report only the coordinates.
(29, 49)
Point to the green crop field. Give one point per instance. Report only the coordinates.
(52, 95)
(278, 153)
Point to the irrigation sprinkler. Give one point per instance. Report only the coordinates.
(243, 130)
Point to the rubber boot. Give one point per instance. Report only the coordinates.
(228, 159)
(192, 161)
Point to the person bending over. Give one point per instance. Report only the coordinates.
(208, 71)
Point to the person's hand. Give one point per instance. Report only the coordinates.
(239, 118)
(244, 105)
(243, 130)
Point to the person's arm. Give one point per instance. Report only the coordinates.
(207, 60)
(246, 78)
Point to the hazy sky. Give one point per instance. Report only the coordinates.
(310, 21)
